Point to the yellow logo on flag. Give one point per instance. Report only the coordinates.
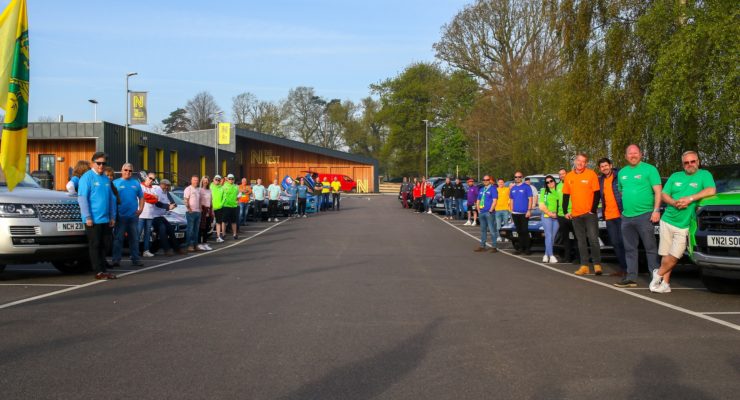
(224, 133)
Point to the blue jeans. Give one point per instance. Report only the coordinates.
(448, 207)
(126, 226)
(502, 217)
(243, 213)
(551, 229)
(487, 223)
(292, 207)
(191, 236)
(635, 229)
(319, 202)
(460, 213)
(145, 228)
(426, 203)
(614, 228)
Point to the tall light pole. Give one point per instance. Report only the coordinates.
(426, 145)
(95, 109)
(478, 156)
(215, 137)
(128, 75)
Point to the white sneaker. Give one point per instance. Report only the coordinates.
(304, 216)
(467, 223)
(498, 239)
(553, 260)
(657, 280)
(200, 247)
(429, 212)
(663, 287)
(207, 247)
(275, 219)
(545, 258)
(219, 240)
(147, 253)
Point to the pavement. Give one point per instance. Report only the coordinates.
(372, 302)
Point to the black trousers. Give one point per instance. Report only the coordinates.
(301, 206)
(521, 222)
(272, 208)
(565, 227)
(98, 237)
(586, 228)
(335, 201)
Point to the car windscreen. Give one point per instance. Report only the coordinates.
(27, 181)
(178, 200)
(726, 178)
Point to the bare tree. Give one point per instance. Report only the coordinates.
(201, 110)
(243, 109)
(305, 112)
(269, 118)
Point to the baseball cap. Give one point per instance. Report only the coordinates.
(217, 177)
(470, 180)
(230, 176)
(165, 182)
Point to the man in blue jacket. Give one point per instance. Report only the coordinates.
(98, 211)
(611, 206)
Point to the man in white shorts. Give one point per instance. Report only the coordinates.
(681, 193)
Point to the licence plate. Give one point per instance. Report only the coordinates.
(440, 204)
(602, 224)
(656, 228)
(515, 234)
(286, 207)
(70, 226)
(723, 241)
(179, 235)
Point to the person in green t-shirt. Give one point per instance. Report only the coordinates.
(639, 183)
(549, 206)
(681, 194)
(231, 204)
(217, 200)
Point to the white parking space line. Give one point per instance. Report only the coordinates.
(704, 316)
(37, 284)
(84, 285)
(32, 270)
(722, 313)
(672, 288)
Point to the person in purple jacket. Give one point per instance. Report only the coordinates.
(472, 200)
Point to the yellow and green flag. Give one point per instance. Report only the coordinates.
(14, 90)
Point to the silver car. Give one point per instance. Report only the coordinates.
(41, 225)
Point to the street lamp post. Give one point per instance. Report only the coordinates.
(95, 109)
(128, 75)
(215, 138)
(426, 145)
(478, 156)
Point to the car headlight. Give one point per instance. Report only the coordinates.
(17, 210)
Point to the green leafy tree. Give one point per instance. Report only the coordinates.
(178, 121)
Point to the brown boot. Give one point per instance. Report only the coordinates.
(479, 249)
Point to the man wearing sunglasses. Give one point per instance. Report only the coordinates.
(98, 211)
(487, 211)
(681, 193)
(131, 206)
(520, 204)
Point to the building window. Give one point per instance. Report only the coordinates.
(202, 165)
(173, 167)
(143, 158)
(159, 163)
(47, 162)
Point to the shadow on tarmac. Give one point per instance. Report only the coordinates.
(659, 377)
(372, 376)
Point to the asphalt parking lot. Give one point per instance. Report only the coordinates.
(373, 302)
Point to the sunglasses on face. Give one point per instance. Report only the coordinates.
(689, 162)
(151, 178)
(517, 177)
(486, 180)
(550, 181)
(127, 170)
(101, 163)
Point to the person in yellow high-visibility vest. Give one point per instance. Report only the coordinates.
(325, 190)
(336, 190)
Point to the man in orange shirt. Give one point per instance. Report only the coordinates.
(245, 191)
(581, 191)
(611, 201)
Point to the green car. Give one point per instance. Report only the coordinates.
(715, 237)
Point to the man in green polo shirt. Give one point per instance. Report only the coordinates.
(231, 204)
(217, 199)
(681, 193)
(640, 185)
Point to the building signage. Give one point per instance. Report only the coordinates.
(264, 157)
(137, 100)
(224, 133)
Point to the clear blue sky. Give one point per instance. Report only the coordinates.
(82, 49)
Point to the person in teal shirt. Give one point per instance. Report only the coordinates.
(681, 193)
(640, 185)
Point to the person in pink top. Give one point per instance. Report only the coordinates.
(206, 213)
(193, 214)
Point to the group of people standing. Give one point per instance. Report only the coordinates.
(630, 199)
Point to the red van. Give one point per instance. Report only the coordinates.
(348, 184)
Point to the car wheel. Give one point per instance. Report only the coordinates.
(721, 285)
(78, 266)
